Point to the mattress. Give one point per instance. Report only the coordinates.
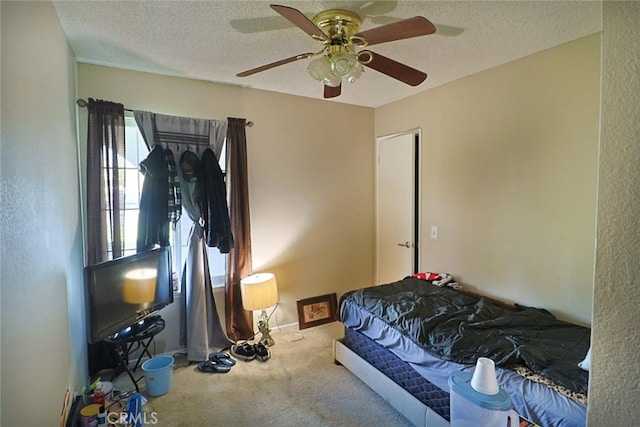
(399, 371)
(532, 400)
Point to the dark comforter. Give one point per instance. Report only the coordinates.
(460, 328)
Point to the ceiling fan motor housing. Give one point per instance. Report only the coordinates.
(339, 24)
(341, 27)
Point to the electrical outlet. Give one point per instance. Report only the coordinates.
(434, 232)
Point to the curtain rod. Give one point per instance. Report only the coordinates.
(82, 103)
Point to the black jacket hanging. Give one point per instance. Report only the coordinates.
(153, 219)
(174, 200)
(213, 199)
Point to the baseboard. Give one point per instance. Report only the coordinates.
(284, 328)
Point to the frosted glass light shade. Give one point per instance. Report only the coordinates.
(355, 72)
(140, 286)
(332, 80)
(341, 64)
(259, 291)
(319, 68)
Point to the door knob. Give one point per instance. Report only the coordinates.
(405, 244)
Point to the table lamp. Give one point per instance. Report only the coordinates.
(260, 291)
(140, 286)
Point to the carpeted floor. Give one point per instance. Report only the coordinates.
(299, 386)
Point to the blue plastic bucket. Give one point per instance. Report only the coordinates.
(158, 373)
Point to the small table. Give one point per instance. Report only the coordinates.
(140, 335)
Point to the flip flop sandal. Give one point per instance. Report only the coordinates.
(223, 358)
(213, 367)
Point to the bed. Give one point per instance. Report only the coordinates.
(404, 339)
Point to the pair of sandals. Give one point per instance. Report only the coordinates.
(218, 363)
(247, 352)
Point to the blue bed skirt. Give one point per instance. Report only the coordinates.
(399, 371)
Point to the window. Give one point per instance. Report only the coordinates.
(136, 151)
(130, 181)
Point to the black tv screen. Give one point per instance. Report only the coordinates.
(124, 291)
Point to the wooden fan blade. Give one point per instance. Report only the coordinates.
(407, 28)
(274, 64)
(300, 20)
(332, 92)
(397, 70)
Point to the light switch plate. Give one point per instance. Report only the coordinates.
(434, 232)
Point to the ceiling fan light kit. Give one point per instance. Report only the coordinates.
(338, 31)
(331, 69)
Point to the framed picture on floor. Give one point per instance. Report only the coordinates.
(317, 310)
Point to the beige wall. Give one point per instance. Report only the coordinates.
(509, 176)
(311, 189)
(615, 373)
(310, 177)
(42, 307)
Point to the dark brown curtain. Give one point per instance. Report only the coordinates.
(239, 321)
(105, 202)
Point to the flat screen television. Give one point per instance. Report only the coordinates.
(125, 291)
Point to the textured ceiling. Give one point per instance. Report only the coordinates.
(214, 40)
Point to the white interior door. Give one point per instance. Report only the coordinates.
(396, 200)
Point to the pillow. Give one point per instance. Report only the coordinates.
(426, 276)
(586, 363)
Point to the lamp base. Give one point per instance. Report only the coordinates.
(263, 328)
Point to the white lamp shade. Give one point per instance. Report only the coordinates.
(259, 291)
(140, 286)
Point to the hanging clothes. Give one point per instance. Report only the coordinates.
(214, 208)
(201, 330)
(153, 220)
(175, 199)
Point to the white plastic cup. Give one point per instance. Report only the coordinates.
(484, 378)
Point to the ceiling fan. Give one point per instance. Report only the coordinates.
(339, 32)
